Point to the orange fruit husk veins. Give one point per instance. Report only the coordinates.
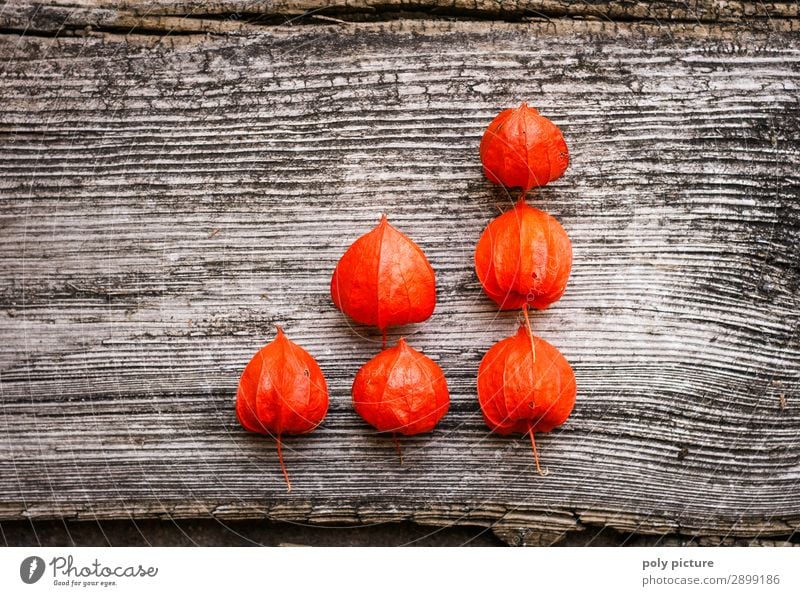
(384, 279)
(524, 388)
(281, 391)
(524, 256)
(523, 148)
(401, 391)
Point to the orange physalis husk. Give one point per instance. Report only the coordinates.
(401, 391)
(522, 148)
(524, 256)
(282, 391)
(525, 385)
(384, 279)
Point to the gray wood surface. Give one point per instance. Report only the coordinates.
(166, 199)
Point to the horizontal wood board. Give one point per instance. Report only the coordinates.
(167, 199)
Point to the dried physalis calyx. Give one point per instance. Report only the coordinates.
(524, 257)
(525, 385)
(282, 391)
(384, 279)
(401, 391)
(523, 148)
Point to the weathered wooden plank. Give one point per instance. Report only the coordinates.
(240, 16)
(166, 200)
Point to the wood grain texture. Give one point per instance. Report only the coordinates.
(166, 200)
(70, 17)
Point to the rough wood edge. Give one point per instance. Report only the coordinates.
(516, 526)
(80, 17)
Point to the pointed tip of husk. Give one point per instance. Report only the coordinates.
(279, 332)
(397, 447)
(384, 337)
(539, 469)
(283, 465)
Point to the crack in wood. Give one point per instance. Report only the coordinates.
(219, 18)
